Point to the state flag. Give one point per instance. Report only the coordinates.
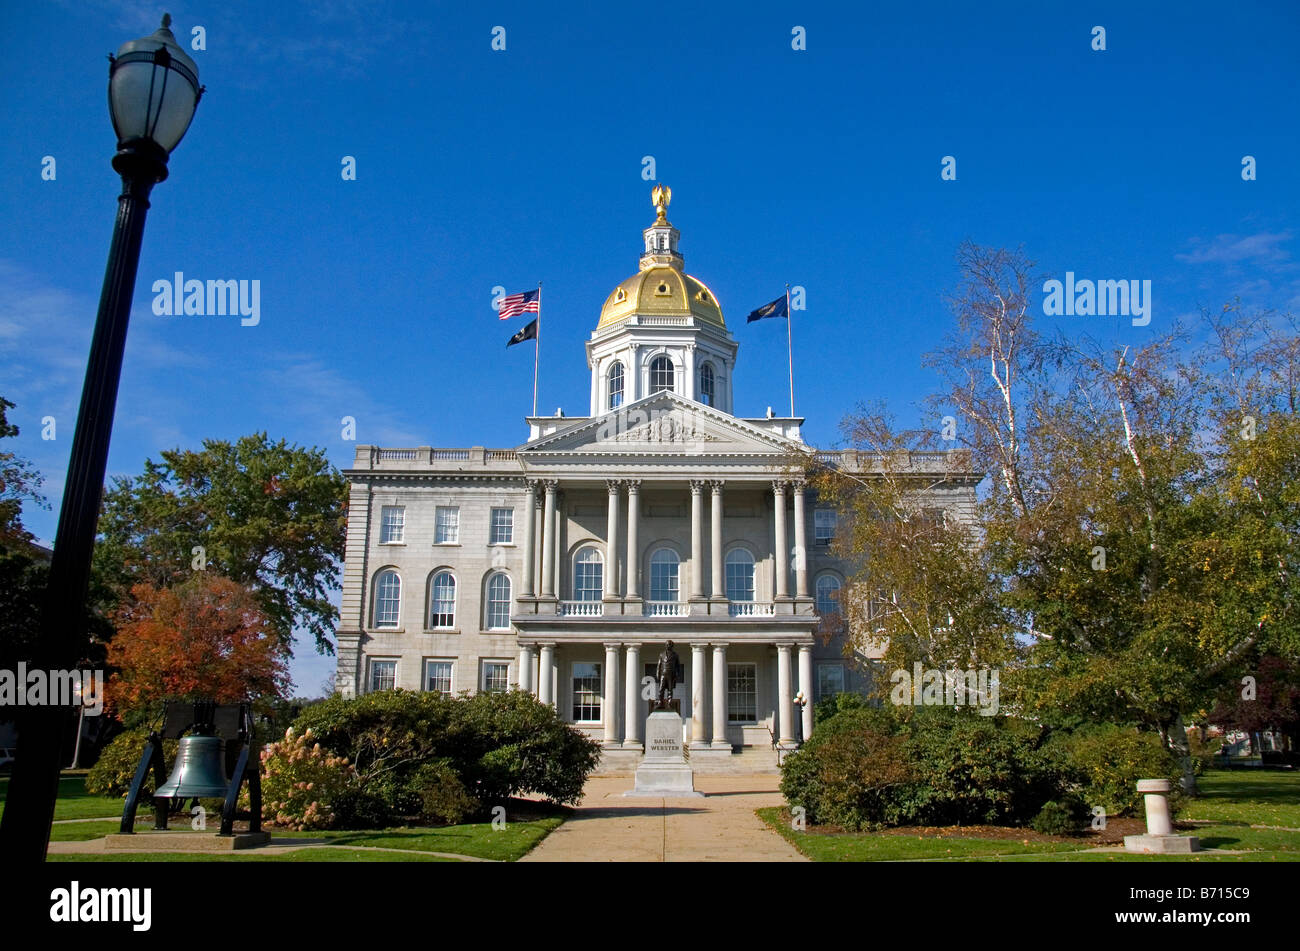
(778, 308)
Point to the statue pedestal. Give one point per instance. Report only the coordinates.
(664, 772)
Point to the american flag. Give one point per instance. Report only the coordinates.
(516, 304)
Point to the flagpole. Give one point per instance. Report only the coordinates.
(537, 345)
(789, 347)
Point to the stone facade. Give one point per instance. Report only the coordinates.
(658, 516)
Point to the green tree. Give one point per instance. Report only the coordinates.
(267, 515)
(1135, 539)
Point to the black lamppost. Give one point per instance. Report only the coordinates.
(153, 90)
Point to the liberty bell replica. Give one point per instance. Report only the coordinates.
(216, 755)
(200, 771)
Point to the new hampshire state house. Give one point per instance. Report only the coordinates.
(562, 566)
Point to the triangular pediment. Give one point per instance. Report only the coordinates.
(661, 424)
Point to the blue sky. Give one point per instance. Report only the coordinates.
(478, 168)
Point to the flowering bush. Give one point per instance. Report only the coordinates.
(300, 782)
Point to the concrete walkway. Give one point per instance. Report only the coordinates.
(720, 827)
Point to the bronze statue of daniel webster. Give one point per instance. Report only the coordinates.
(666, 675)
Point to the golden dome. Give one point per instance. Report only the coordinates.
(661, 290)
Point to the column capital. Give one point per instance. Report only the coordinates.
(780, 485)
(633, 486)
(715, 485)
(530, 486)
(612, 645)
(613, 486)
(698, 486)
(550, 485)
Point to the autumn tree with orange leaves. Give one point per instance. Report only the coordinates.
(205, 638)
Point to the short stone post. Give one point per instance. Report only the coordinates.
(1159, 836)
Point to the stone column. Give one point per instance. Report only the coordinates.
(800, 544)
(697, 540)
(525, 672)
(692, 388)
(633, 546)
(699, 690)
(609, 706)
(632, 698)
(610, 569)
(546, 675)
(535, 672)
(719, 587)
(784, 696)
(720, 698)
(782, 547)
(548, 542)
(806, 685)
(537, 545)
(530, 519)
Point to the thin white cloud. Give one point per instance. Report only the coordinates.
(1264, 249)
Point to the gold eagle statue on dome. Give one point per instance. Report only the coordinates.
(662, 197)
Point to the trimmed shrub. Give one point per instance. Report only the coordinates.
(1060, 817)
(407, 748)
(1104, 763)
(848, 772)
(112, 773)
(443, 796)
(974, 769)
(828, 707)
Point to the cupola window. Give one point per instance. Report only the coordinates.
(661, 374)
(706, 385)
(616, 386)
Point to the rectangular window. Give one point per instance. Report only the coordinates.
(446, 529)
(830, 680)
(503, 527)
(742, 693)
(496, 676)
(392, 524)
(586, 693)
(383, 674)
(437, 676)
(824, 526)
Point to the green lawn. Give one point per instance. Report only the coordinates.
(477, 840)
(1232, 801)
(74, 802)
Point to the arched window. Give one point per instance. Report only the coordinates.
(664, 570)
(740, 575)
(661, 374)
(828, 596)
(388, 598)
(706, 384)
(588, 577)
(616, 386)
(498, 602)
(442, 600)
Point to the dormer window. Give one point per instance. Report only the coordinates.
(663, 291)
(620, 295)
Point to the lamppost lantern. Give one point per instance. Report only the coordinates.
(153, 90)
